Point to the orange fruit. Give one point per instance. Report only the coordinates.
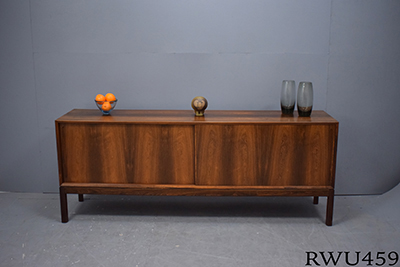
(106, 106)
(110, 97)
(100, 99)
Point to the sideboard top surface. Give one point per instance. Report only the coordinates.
(188, 117)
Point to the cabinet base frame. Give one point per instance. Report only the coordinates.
(195, 190)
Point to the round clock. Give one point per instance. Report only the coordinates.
(199, 105)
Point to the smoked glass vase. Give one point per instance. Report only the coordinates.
(288, 97)
(305, 97)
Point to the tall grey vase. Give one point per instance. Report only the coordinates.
(305, 98)
(288, 96)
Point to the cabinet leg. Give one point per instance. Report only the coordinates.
(63, 205)
(329, 208)
(80, 197)
(316, 199)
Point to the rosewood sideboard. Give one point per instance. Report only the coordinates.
(172, 152)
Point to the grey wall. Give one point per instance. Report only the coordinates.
(57, 55)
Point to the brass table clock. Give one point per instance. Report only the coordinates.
(199, 105)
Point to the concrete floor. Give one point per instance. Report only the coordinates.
(194, 231)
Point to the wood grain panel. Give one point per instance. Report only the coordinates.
(268, 155)
(126, 153)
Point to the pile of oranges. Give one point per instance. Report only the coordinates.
(105, 101)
